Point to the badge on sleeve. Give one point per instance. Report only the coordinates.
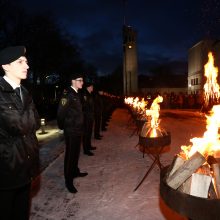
(63, 101)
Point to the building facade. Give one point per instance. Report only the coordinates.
(197, 58)
(130, 61)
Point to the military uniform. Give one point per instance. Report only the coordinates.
(88, 110)
(70, 119)
(98, 108)
(19, 150)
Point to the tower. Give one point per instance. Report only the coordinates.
(130, 66)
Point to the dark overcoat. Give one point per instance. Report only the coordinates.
(88, 105)
(19, 150)
(69, 114)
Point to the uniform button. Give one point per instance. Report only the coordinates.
(24, 136)
(28, 157)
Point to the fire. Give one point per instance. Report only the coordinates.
(153, 112)
(137, 104)
(143, 104)
(209, 144)
(129, 100)
(211, 87)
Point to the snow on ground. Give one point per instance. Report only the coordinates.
(107, 193)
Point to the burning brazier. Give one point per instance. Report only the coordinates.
(191, 184)
(187, 205)
(152, 135)
(137, 110)
(152, 138)
(140, 120)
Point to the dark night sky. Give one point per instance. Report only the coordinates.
(166, 29)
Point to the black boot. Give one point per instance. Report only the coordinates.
(92, 148)
(80, 174)
(89, 153)
(71, 188)
(98, 137)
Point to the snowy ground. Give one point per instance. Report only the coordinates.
(107, 193)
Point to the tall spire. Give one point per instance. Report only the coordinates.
(124, 7)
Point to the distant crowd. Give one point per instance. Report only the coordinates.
(178, 101)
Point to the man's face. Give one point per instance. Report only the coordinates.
(17, 70)
(77, 83)
(90, 88)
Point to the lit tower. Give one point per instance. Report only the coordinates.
(130, 66)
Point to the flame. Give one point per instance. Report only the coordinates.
(154, 114)
(128, 100)
(143, 104)
(136, 104)
(211, 87)
(209, 144)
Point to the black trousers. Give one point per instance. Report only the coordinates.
(71, 158)
(97, 124)
(87, 133)
(15, 203)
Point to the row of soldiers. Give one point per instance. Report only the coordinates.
(82, 112)
(19, 121)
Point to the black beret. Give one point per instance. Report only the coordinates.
(88, 84)
(76, 76)
(10, 54)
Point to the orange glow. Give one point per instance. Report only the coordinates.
(209, 144)
(153, 112)
(211, 87)
(136, 104)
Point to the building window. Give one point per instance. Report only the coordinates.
(197, 81)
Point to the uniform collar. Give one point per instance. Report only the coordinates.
(12, 83)
(74, 89)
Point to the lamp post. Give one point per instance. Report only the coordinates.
(55, 94)
(43, 124)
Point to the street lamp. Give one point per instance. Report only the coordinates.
(55, 95)
(43, 124)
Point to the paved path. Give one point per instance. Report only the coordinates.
(51, 144)
(107, 192)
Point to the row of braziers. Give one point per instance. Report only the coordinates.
(189, 186)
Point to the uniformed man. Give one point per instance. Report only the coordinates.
(70, 119)
(98, 111)
(88, 110)
(19, 151)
